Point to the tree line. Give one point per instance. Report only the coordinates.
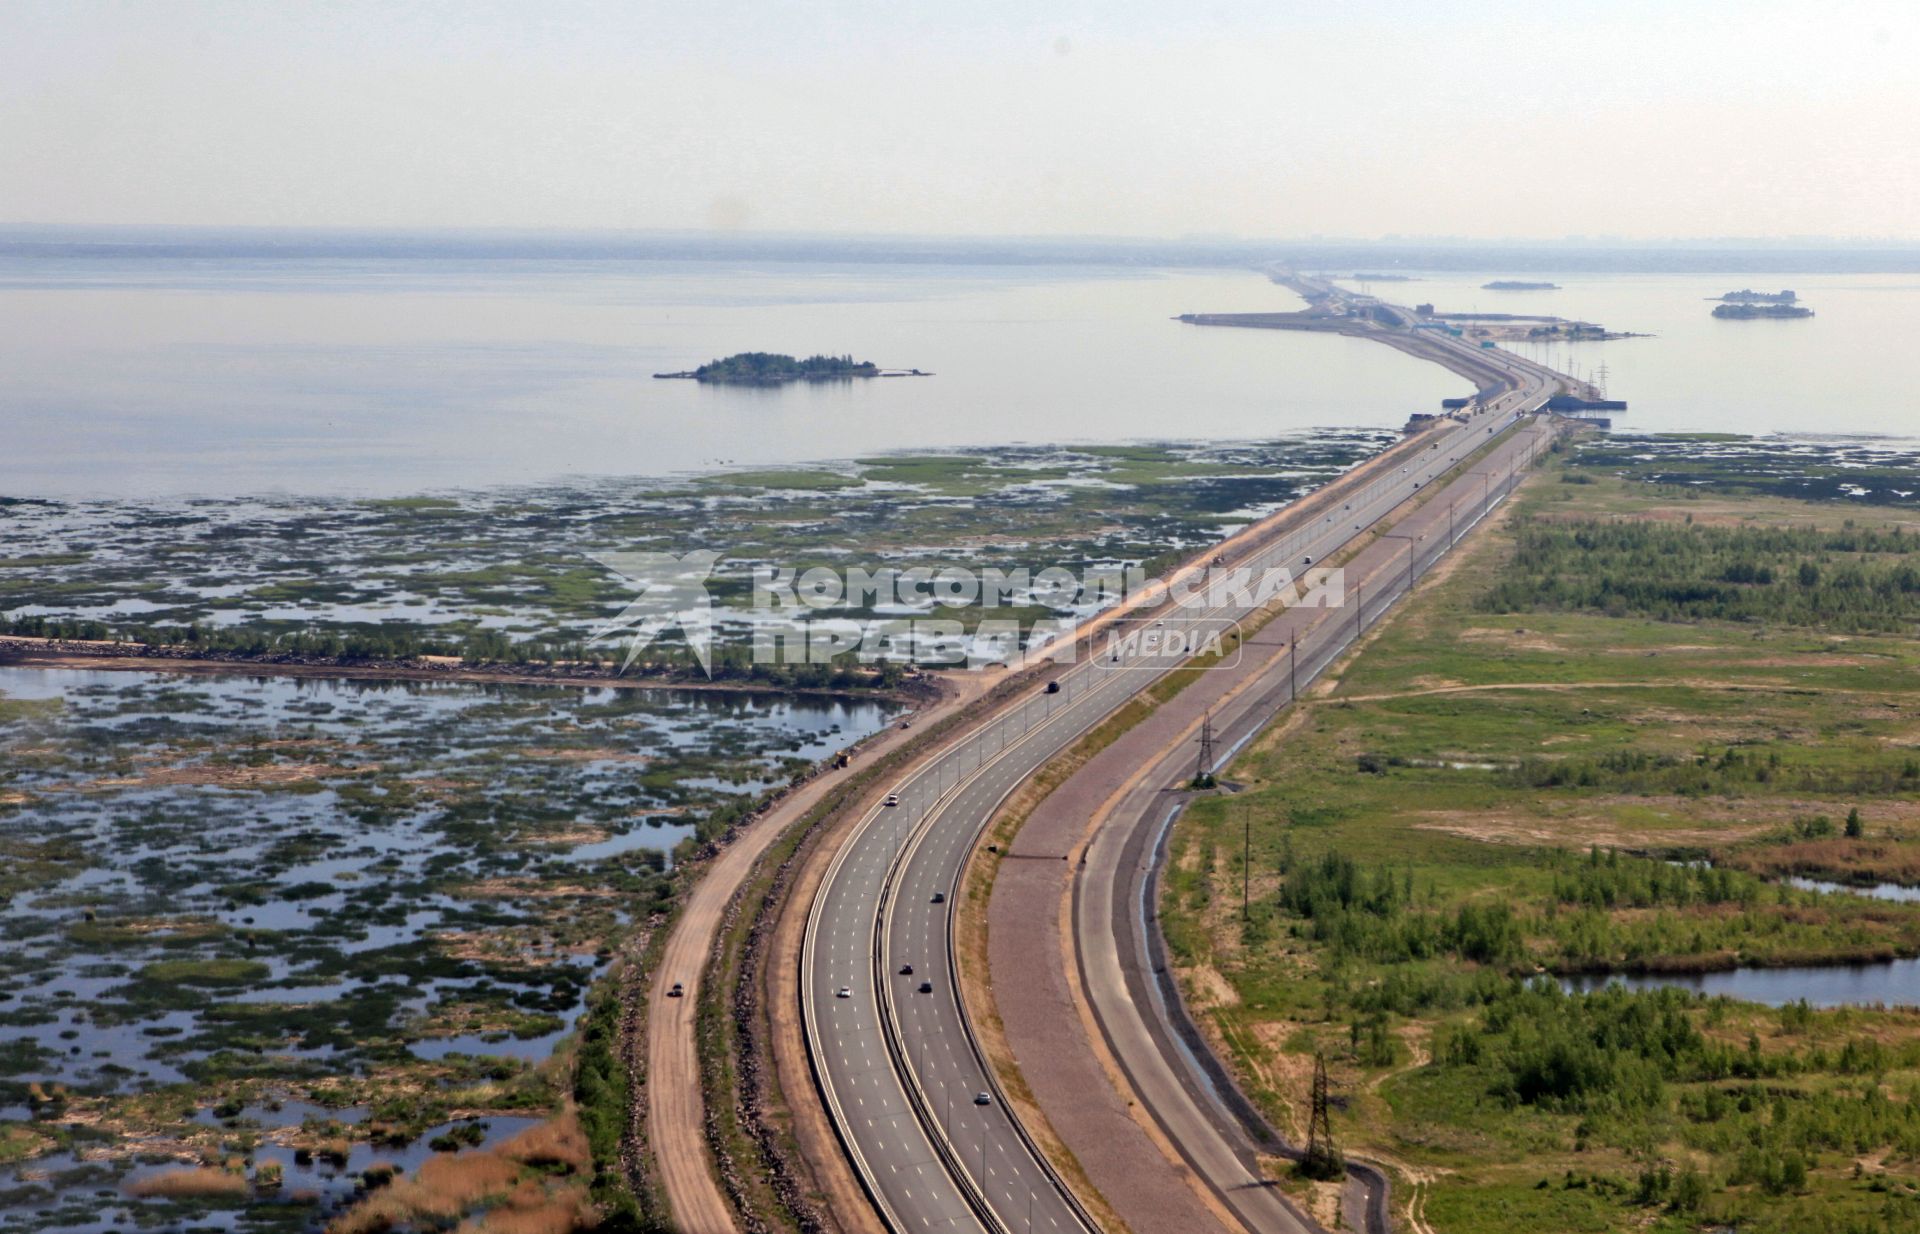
(1852, 579)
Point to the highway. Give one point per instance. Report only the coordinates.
(1115, 944)
(897, 1065)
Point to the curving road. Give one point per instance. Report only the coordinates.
(676, 1109)
(899, 1068)
(1115, 943)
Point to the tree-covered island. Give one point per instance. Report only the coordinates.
(765, 368)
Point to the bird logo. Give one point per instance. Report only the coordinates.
(673, 592)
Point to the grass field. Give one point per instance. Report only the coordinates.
(1597, 747)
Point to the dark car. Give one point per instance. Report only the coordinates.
(678, 991)
(1053, 687)
(939, 897)
(906, 970)
(926, 987)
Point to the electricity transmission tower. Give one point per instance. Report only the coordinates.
(1323, 1159)
(1203, 772)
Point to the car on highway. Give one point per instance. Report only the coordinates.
(843, 992)
(939, 897)
(1309, 558)
(982, 1099)
(906, 970)
(893, 799)
(926, 987)
(1053, 687)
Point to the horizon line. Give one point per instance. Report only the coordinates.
(1201, 240)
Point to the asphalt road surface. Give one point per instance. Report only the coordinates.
(1115, 941)
(899, 1068)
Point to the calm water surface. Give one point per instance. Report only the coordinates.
(1896, 983)
(1851, 368)
(171, 376)
(165, 375)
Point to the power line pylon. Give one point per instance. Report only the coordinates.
(1323, 1159)
(1203, 772)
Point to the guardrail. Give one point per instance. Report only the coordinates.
(973, 1191)
(897, 1047)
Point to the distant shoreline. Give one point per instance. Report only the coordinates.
(1705, 256)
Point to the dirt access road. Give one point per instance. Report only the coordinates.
(676, 1110)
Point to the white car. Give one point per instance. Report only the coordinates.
(843, 992)
(893, 799)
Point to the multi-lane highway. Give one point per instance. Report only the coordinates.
(1115, 945)
(913, 1102)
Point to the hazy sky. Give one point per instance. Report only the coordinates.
(1545, 118)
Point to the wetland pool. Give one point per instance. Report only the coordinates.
(1891, 983)
(267, 891)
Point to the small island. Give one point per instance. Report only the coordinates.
(1518, 285)
(1748, 312)
(1746, 295)
(766, 368)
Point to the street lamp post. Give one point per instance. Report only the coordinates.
(1401, 535)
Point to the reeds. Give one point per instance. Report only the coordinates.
(190, 1181)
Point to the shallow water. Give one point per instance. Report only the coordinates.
(350, 866)
(1896, 983)
(1876, 891)
(74, 1196)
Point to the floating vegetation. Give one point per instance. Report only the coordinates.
(391, 898)
(1867, 470)
(511, 572)
(277, 948)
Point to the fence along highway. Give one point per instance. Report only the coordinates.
(898, 1067)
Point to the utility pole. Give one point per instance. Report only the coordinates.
(1401, 535)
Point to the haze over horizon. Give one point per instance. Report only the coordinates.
(1621, 122)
